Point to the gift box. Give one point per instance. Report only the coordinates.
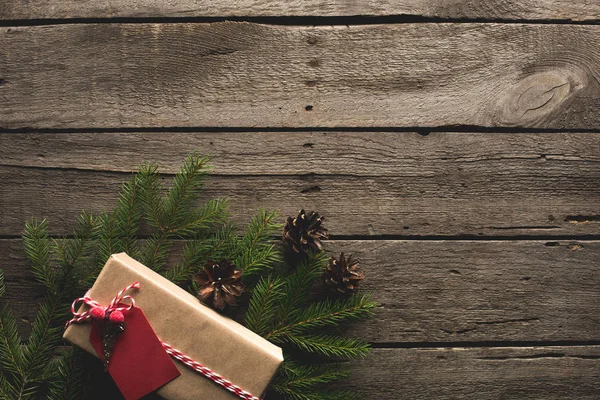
(218, 343)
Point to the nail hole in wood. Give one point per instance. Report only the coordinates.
(311, 189)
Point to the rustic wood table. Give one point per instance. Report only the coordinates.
(454, 145)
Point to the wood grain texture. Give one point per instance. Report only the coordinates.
(577, 10)
(479, 373)
(249, 75)
(398, 183)
(442, 291)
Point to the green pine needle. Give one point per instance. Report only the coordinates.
(66, 382)
(261, 311)
(37, 248)
(326, 314)
(329, 346)
(11, 355)
(298, 285)
(184, 192)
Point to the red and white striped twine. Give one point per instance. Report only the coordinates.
(218, 379)
(173, 352)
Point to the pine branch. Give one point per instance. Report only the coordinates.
(261, 311)
(325, 314)
(262, 228)
(67, 376)
(196, 253)
(11, 355)
(71, 253)
(298, 377)
(150, 194)
(106, 236)
(298, 285)
(37, 248)
(46, 334)
(256, 253)
(155, 251)
(127, 216)
(310, 382)
(207, 216)
(329, 346)
(184, 192)
(174, 215)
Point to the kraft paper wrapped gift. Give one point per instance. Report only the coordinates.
(219, 343)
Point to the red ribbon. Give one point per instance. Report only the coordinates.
(117, 305)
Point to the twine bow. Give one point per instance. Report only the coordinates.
(95, 307)
(117, 304)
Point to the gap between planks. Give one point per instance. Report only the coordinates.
(356, 20)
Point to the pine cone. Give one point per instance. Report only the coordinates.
(304, 233)
(343, 275)
(219, 283)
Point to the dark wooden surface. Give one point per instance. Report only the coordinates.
(237, 74)
(561, 10)
(453, 146)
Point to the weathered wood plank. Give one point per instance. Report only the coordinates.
(249, 75)
(479, 373)
(395, 154)
(375, 205)
(577, 10)
(444, 291)
(386, 183)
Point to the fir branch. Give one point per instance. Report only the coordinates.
(325, 314)
(196, 252)
(155, 251)
(106, 236)
(329, 346)
(262, 227)
(66, 381)
(11, 354)
(75, 249)
(37, 249)
(46, 333)
(256, 261)
(298, 285)
(261, 310)
(213, 212)
(294, 376)
(184, 192)
(173, 215)
(222, 244)
(150, 194)
(127, 215)
(256, 252)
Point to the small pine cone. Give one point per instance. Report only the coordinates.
(304, 233)
(219, 284)
(343, 275)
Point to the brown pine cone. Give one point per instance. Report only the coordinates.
(343, 275)
(219, 283)
(304, 233)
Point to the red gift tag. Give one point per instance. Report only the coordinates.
(139, 364)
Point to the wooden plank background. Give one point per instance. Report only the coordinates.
(453, 146)
(249, 75)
